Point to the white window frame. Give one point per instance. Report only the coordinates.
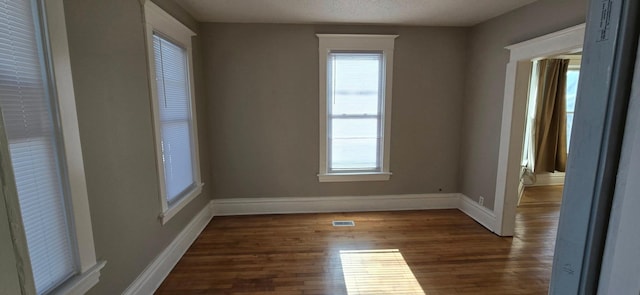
(356, 43)
(88, 269)
(158, 20)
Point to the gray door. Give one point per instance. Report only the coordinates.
(605, 84)
(620, 273)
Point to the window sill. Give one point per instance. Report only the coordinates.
(175, 208)
(83, 282)
(352, 177)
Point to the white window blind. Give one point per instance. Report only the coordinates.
(26, 104)
(354, 97)
(174, 108)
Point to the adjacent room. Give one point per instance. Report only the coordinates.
(549, 119)
(283, 146)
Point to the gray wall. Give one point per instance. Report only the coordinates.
(109, 64)
(485, 70)
(9, 282)
(262, 87)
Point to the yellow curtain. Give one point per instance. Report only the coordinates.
(551, 117)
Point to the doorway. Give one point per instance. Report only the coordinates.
(518, 77)
(553, 90)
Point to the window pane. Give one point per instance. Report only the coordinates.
(354, 95)
(354, 144)
(354, 128)
(31, 131)
(177, 158)
(354, 83)
(572, 89)
(171, 78)
(571, 94)
(354, 154)
(174, 107)
(569, 128)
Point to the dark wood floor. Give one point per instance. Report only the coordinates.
(435, 251)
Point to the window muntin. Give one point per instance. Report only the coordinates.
(32, 129)
(354, 98)
(174, 110)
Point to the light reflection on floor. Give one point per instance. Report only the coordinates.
(378, 272)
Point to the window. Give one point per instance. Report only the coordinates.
(573, 74)
(528, 149)
(355, 107)
(45, 180)
(571, 91)
(173, 110)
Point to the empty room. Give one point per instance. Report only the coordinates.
(319, 147)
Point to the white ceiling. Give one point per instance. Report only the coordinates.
(393, 12)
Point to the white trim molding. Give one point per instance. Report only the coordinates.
(292, 205)
(173, 210)
(565, 41)
(81, 284)
(516, 87)
(479, 213)
(61, 60)
(542, 179)
(348, 177)
(521, 187)
(152, 276)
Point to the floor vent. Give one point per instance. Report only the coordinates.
(343, 223)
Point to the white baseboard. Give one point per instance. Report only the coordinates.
(254, 206)
(542, 179)
(257, 206)
(479, 213)
(151, 278)
(521, 187)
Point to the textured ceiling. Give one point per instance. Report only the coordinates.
(396, 12)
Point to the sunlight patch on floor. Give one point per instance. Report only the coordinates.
(378, 272)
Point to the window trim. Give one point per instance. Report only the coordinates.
(61, 61)
(158, 20)
(51, 14)
(364, 43)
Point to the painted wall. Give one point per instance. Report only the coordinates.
(262, 87)
(9, 282)
(109, 64)
(484, 94)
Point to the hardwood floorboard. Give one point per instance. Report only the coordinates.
(439, 251)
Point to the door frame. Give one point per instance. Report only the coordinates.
(514, 110)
